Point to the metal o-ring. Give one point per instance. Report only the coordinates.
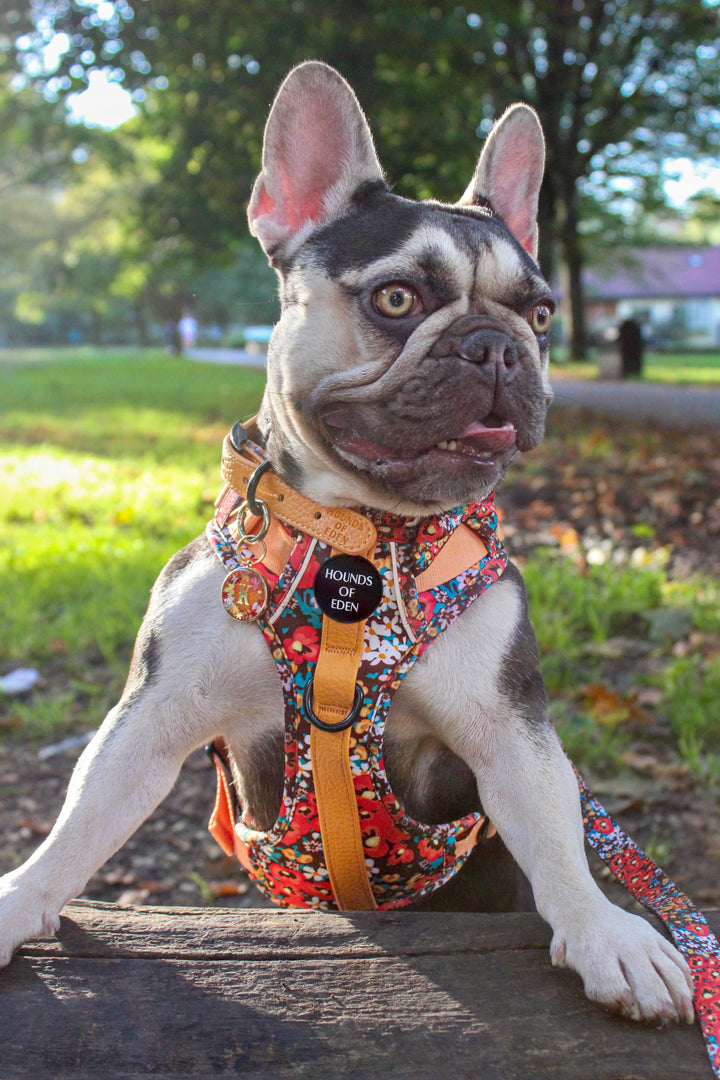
(341, 724)
(252, 538)
(255, 557)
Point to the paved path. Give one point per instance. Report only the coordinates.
(677, 406)
(227, 356)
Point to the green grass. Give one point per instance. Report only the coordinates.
(701, 368)
(677, 368)
(110, 463)
(613, 632)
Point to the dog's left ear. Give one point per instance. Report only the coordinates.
(510, 171)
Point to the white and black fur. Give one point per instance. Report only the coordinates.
(413, 411)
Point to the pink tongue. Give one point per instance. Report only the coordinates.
(489, 438)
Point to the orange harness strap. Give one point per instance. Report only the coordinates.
(341, 648)
(464, 549)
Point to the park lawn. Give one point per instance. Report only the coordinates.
(110, 464)
(700, 368)
(678, 368)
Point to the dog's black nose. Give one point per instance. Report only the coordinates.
(490, 347)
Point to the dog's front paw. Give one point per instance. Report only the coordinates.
(21, 919)
(627, 966)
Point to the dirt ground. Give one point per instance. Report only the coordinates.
(675, 480)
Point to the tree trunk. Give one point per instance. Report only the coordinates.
(546, 228)
(97, 328)
(573, 264)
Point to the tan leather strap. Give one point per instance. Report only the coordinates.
(335, 673)
(339, 821)
(342, 528)
(341, 649)
(463, 549)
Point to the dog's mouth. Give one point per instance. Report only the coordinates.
(484, 443)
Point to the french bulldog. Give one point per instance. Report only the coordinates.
(408, 368)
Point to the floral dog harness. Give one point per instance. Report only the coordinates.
(404, 858)
(397, 858)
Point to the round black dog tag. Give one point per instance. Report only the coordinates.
(348, 588)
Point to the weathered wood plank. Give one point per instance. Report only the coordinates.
(180, 993)
(104, 930)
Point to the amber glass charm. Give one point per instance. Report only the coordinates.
(245, 594)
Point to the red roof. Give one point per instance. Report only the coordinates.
(655, 273)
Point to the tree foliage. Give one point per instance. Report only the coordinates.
(619, 86)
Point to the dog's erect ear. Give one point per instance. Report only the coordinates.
(510, 171)
(318, 150)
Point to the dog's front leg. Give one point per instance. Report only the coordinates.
(488, 705)
(192, 672)
(529, 790)
(127, 769)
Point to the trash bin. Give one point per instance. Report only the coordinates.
(631, 348)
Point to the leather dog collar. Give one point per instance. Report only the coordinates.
(345, 529)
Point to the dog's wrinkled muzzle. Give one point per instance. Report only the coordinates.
(484, 342)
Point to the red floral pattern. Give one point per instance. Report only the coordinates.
(405, 858)
(303, 644)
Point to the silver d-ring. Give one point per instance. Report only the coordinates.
(256, 505)
(341, 724)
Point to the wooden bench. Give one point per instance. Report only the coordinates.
(198, 992)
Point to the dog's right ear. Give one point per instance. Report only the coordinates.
(510, 171)
(317, 151)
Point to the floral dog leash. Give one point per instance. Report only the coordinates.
(687, 926)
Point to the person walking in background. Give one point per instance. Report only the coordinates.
(187, 328)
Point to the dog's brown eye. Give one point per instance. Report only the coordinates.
(394, 300)
(540, 318)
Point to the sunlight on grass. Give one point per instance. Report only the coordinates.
(82, 540)
(110, 464)
(48, 489)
